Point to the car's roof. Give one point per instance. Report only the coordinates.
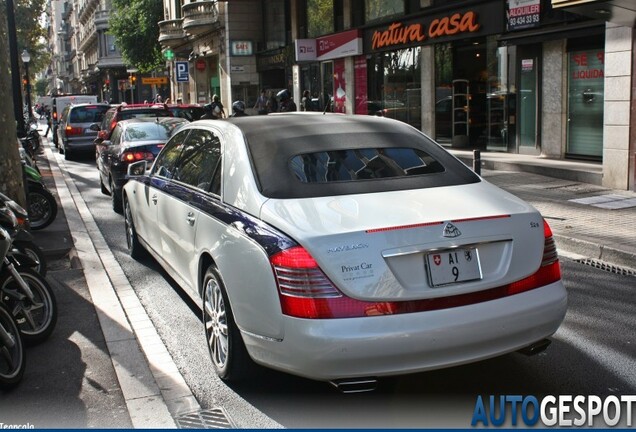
(274, 140)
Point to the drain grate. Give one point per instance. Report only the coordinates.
(206, 419)
(607, 267)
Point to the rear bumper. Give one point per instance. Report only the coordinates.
(333, 349)
(80, 144)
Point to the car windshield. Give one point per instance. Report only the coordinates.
(149, 131)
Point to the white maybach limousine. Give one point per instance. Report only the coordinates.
(343, 248)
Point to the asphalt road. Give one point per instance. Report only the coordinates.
(593, 353)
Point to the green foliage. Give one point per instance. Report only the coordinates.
(134, 23)
(319, 17)
(41, 87)
(30, 33)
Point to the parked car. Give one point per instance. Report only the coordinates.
(126, 112)
(58, 103)
(74, 133)
(342, 248)
(190, 112)
(131, 141)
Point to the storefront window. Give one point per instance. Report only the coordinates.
(468, 93)
(395, 85)
(585, 103)
(319, 17)
(378, 9)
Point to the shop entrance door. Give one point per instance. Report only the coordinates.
(528, 108)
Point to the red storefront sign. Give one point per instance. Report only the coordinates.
(344, 44)
(200, 65)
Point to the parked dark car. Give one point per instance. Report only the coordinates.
(131, 141)
(127, 112)
(74, 133)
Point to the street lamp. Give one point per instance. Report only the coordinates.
(26, 58)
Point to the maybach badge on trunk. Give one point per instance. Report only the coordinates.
(451, 230)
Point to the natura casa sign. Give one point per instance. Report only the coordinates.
(478, 21)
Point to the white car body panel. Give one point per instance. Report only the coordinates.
(390, 265)
(335, 348)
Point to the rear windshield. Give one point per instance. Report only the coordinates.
(363, 164)
(126, 115)
(88, 114)
(337, 155)
(150, 131)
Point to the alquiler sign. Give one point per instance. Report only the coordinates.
(478, 21)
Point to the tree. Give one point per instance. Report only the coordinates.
(41, 86)
(31, 35)
(134, 23)
(10, 165)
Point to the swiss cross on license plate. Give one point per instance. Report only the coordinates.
(453, 266)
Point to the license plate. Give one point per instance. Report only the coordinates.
(453, 266)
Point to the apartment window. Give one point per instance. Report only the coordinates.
(380, 9)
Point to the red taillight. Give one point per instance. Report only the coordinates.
(71, 131)
(129, 157)
(306, 292)
(54, 115)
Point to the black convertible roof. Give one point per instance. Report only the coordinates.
(273, 140)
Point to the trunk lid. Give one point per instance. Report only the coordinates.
(403, 245)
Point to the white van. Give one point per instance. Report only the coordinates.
(61, 102)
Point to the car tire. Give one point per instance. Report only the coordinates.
(135, 249)
(223, 338)
(67, 154)
(115, 198)
(103, 186)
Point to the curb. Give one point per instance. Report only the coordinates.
(596, 251)
(153, 389)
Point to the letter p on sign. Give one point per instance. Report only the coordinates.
(182, 71)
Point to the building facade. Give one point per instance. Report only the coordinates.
(551, 78)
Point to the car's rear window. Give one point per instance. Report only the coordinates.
(313, 156)
(150, 131)
(363, 164)
(127, 115)
(88, 114)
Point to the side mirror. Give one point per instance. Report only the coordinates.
(94, 127)
(137, 169)
(106, 143)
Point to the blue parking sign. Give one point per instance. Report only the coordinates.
(182, 71)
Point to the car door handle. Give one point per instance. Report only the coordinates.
(190, 218)
(154, 199)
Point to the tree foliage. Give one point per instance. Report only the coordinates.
(30, 32)
(134, 23)
(10, 165)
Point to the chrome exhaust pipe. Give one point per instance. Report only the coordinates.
(535, 348)
(355, 385)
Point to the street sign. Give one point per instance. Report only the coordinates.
(154, 80)
(181, 70)
(168, 54)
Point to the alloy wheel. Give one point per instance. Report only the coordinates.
(215, 321)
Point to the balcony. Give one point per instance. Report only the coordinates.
(86, 10)
(101, 19)
(171, 32)
(200, 17)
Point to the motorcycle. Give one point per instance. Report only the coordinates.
(42, 206)
(26, 294)
(23, 241)
(12, 354)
